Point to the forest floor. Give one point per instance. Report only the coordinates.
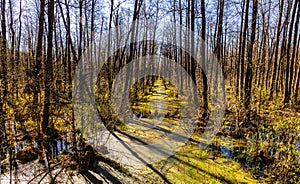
(188, 165)
(258, 153)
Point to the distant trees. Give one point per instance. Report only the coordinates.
(254, 46)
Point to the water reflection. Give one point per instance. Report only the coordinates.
(56, 146)
(247, 153)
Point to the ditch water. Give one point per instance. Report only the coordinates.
(255, 154)
(56, 146)
(26, 151)
(244, 152)
(222, 146)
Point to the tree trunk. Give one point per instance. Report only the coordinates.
(289, 64)
(248, 81)
(274, 74)
(244, 43)
(48, 67)
(203, 58)
(39, 55)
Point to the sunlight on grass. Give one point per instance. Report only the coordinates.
(192, 165)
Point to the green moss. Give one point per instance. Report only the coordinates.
(191, 165)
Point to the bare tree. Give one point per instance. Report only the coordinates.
(39, 55)
(203, 58)
(274, 75)
(248, 83)
(290, 63)
(48, 67)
